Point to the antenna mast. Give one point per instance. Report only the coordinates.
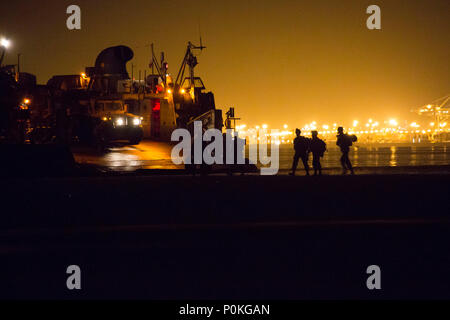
(191, 61)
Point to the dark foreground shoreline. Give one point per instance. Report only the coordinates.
(240, 237)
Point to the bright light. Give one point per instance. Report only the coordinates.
(26, 101)
(5, 43)
(83, 75)
(429, 106)
(120, 122)
(169, 91)
(136, 121)
(183, 91)
(391, 128)
(105, 119)
(393, 122)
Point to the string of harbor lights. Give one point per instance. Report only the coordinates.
(371, 130)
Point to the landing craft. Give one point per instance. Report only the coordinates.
(104, 104)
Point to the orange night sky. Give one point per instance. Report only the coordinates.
(276, 62)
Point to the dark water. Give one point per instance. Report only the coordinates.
(379, 155)
(157, 155)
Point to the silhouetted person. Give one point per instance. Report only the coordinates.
(344, 142)
(301, 147)
(192, 168)
(318, 148)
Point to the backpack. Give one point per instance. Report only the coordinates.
(321, 147)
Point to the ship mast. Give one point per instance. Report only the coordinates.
(189, 60)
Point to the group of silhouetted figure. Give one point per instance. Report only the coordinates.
(303, 146)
